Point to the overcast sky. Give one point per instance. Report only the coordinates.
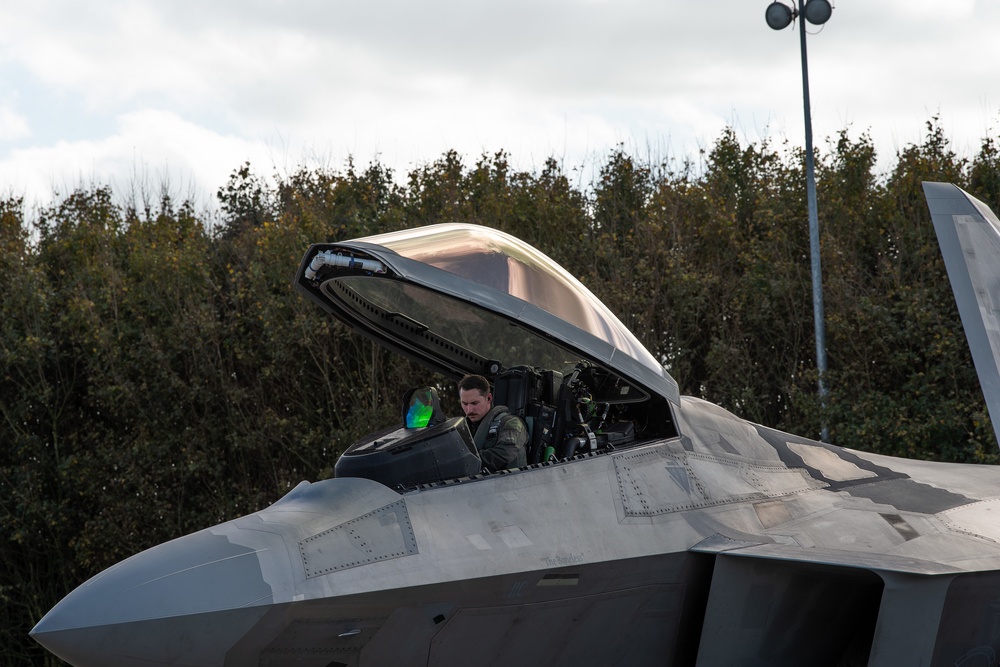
(186, 91)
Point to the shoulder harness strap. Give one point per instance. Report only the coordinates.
(494, 418)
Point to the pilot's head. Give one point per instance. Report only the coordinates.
(474, 393)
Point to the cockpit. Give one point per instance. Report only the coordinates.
(462, 299)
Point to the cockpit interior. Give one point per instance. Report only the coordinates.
(582, 412)
(463, 299)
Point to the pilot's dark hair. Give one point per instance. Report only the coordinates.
(474, 382)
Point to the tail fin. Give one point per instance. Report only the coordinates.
(969, 235)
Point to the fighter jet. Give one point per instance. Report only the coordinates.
(648, 528)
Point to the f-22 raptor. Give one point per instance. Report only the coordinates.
(648, 528)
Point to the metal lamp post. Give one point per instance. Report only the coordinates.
(779, 17)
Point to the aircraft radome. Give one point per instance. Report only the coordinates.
(663, 531)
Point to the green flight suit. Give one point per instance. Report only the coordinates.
(501, 439)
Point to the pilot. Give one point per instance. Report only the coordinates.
(500, 436)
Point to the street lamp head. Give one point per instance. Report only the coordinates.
(817, 12)
(779, 16)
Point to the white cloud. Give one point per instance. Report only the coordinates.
(403, 81)
(148, 145)
(12, 125)
(953, 10)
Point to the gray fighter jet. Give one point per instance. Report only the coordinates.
(648, 528)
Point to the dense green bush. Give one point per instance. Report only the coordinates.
(158, 374)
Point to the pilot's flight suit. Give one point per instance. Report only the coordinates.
(501, 439)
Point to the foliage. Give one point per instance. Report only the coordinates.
(159, 375)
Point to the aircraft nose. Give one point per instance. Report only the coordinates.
(181, 603)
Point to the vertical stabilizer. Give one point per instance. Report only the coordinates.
(969, 235)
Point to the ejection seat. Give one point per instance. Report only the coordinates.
(550, 405)
(530, 394)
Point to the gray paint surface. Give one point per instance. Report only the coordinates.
(969, 236)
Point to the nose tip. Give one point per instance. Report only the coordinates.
(201, 587)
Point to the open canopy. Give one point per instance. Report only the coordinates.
(464, 298)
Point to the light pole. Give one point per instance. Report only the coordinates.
(779, 17)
